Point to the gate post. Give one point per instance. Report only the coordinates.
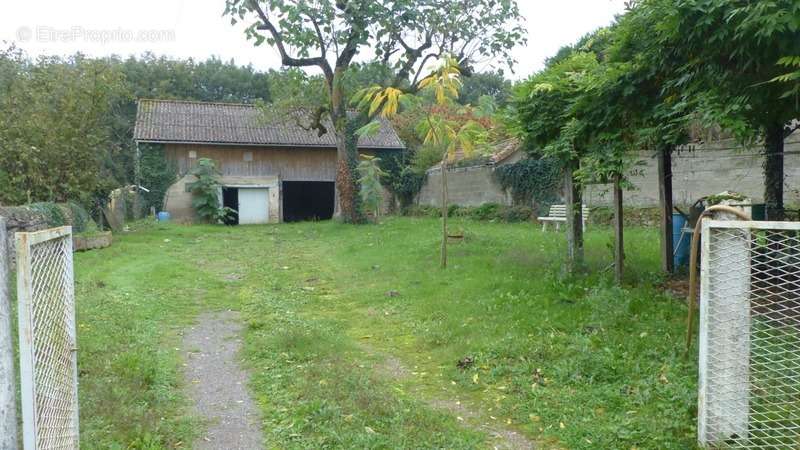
(8, 386)
(724, 363)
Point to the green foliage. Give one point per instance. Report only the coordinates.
(63, 214)
(205, 191)
(491, 84)
(542, 108)
(490, 212)
(530, 180)
(157, 174)
(724, 53)
(52, 213)
(54, 133)
(369, 181)
(402, 180)
(790, 62)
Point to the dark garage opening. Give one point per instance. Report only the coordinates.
(230, 199)
(307, 200)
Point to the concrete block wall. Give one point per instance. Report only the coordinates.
(707, 170)
(467, 186)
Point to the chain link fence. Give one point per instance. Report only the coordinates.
(48, 359)
(750, 335)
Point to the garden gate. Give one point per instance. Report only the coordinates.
(750, 335)
(48, 359)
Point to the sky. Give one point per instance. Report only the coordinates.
(197, 29)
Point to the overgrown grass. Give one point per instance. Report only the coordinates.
(570, 362)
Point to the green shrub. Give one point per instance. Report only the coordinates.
(62, 214)
(487, 212)
(517, 214)
(421, 211)
(52, 213)
(205, 192)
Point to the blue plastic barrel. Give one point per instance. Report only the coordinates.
(163, 216)
(680, 246)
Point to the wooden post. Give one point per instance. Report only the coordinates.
(574, 201)
(8, 386)
(444, 211)
(619, 244)
(665, 202)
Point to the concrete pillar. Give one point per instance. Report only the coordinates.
(8, 386)
(725, 334)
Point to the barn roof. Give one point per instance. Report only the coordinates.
(175, 121)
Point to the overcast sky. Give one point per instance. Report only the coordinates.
(184, 28)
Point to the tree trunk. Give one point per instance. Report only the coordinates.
(665, 202)
(8, 387)
(774, 172)
(619, 244)
(345, 207)
(445, 211)
(573, 197)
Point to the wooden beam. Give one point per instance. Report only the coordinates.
(619, 244)
(665, 203)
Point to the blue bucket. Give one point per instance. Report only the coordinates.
(163, 216)
(681, 247)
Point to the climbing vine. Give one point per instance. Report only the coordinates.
(403, 180)
(531, 180)
(157, 174)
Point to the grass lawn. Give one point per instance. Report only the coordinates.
(354, 337)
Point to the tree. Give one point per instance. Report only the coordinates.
(727, 51)
(492, 84)
(440, 128)
(543, 117)
(404, 34)
(54, 138)
(370, 174)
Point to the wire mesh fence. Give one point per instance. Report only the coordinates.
(48, 360)
(750, 335)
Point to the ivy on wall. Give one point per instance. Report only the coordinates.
(531, 180)
(403, 180)
(157, 174)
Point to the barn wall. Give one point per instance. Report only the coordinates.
(289, 164)
(178, 200)
(269, 166)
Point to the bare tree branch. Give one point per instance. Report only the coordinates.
(287, 59)
(411, 55)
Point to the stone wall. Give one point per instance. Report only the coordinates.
(706, 170)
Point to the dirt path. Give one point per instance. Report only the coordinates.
(218, 385)
(502, 438)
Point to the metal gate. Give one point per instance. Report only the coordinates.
(48, 359)
(750, 335)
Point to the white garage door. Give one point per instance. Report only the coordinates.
(253, 206)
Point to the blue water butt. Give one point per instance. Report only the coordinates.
(681, 246)
(163, 216)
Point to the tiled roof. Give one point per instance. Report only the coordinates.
(236, 124)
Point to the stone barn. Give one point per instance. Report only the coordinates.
(272, 170)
